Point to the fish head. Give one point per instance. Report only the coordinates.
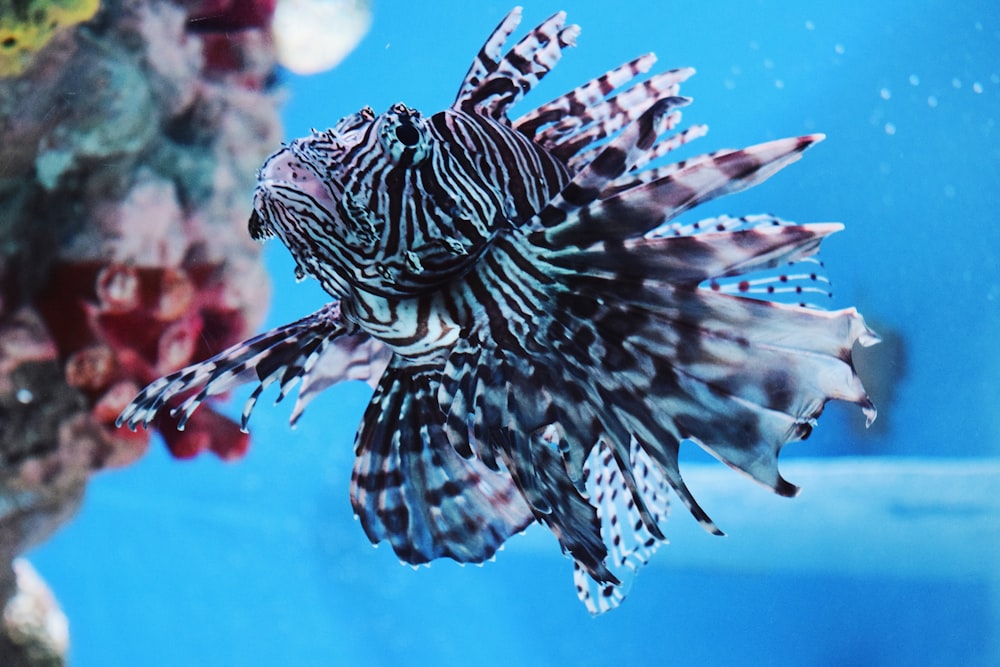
(383, 203)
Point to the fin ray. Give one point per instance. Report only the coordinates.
(412, 488)
(287, 353)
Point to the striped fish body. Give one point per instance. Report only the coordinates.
(542, 333)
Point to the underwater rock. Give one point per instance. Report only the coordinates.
(34, 631)
(47, 450)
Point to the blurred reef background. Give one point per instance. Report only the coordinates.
(131, 135)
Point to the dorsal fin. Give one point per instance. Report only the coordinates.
(494, 83)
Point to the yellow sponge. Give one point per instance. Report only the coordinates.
(26, 26)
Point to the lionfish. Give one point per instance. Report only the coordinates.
(542, 333)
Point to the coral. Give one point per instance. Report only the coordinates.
(34, 630)
(130, 148)
(234, 33)
(116, 118)
(124, 209)
(230, 15)
(27, 26)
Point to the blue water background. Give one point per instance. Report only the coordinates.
(260, 562)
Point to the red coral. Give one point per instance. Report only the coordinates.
(120, 327)
(234, 33)
(92, 368)
(205, 430)
(230, 15)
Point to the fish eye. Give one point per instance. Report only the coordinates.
(408, 135)
(402, 134)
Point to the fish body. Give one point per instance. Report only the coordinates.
(541, 330)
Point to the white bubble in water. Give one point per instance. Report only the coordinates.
(838, 49)
(890, 129)
(932, 102)
(977, 87)
(810, 25)
(884, 93)
(956, 83)
(914, 80)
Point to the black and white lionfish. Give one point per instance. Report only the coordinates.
(542, 333)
